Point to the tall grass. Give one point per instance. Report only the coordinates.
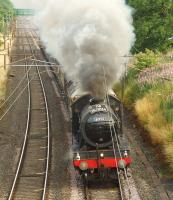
(3, 80)
(1, 41)
(154, 111)
(152, 103)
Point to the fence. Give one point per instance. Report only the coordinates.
(24, 12)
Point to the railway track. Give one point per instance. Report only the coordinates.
(103, 191)
(30, 181)
(96, 189)
(31, 177)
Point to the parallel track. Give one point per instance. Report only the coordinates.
(30, 181)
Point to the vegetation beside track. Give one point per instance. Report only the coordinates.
(149, 94)
(3, 80)
(6, 10)
(149, 83)
(153, 24)
(6, 13)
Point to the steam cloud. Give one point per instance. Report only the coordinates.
(89, 39)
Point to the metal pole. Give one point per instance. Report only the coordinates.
(122, 99)
(8, 50)
(3, 27)
(4, 32)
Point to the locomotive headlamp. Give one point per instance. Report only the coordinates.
(121, 164)
(125, 154)
(77, 156)
(102, 155)
(83, 166)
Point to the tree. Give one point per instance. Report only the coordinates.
(6, 9)
(153, 21)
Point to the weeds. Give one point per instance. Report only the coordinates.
(3, 80)
(152, 103)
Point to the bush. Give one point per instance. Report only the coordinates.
(147, 59)
(153, 24)
(6, 10)
(133, 90)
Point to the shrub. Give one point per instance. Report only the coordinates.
(133, 90)
(147, 59)
(6, 9)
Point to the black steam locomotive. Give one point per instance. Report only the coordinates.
(99, 145)
(98, 142)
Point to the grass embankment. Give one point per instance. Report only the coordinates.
(149, 93)
(6, 13)
(3, 80)
(3, 76)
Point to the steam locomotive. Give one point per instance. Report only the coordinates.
(99, 145)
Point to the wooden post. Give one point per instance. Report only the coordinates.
(4, 42)
(8, 49)
(4, 33)
(5, 61)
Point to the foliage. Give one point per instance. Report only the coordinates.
(167, 107)
(151, 116)
(147, 59)
(155, 112)
(153, 21)
(133, 90)
(6, 10)
(3, 80)
(152, 103)
(167, 101)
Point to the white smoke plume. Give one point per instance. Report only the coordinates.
(89, 38)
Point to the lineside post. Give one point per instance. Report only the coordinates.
(4, 61)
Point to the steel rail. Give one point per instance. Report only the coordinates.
(113, 143)
(19, 95)
(21, 159)
(116, 137)
(24, 141)
(48, 127)
(48, 140)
